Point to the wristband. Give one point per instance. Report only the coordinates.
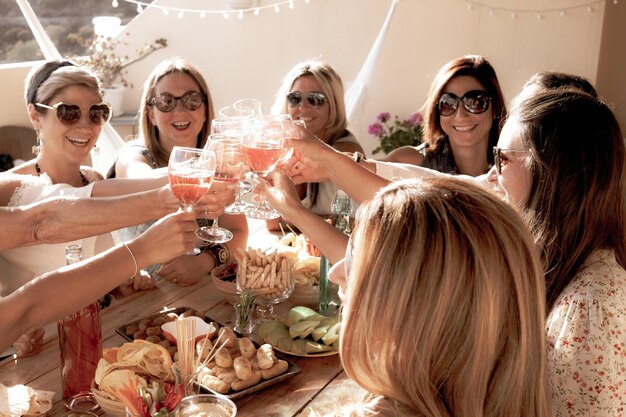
(220, 252)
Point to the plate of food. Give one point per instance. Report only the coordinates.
(304, 333)
(149, 328)
(238, 366)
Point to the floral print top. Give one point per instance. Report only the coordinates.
(586, 335)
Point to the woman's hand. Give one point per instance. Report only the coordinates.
(283, 196)
(212, 204)
(169, 237)
(310, 158)
(140, 282)
(185, 270)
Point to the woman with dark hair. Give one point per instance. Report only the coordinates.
(561, 161)
(463, 113)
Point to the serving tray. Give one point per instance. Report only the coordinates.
(292, 368)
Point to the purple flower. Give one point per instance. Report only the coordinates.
(375, 129)
(416, 119)
(383, 117)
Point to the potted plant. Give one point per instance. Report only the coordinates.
(394, 133)
(111, 67)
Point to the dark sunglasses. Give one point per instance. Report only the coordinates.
(475, 101)
(166, 102)
(314, 99)
(69, 114)
(498, 156)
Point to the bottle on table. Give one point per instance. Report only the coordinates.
(80, 342)
(329, 291)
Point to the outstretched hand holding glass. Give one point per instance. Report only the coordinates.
(229, 166)
(263, 150)
(191, 172)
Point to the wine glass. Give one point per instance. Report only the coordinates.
(229, 165)
(291, 132)
(264, 149)
(269, 287)
(250, 104)
(239, 128)
(233, 113)
(190, 172)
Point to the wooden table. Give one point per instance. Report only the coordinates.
(320, 388)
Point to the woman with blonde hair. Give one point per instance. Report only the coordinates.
(312, 91)
(444, 308)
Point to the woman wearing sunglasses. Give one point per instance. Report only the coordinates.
(462, 120)
(65, 106)
(176, 110)
(312, 91)
(561, 161)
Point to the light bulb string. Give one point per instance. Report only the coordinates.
(534, 11)
(142, 5)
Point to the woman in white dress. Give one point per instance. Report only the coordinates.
(65, 107)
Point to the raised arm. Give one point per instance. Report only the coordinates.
(37, 302)
(63, 219)
(319, 162)
(284, 198)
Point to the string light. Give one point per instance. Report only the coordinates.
(539, 13)
(255, 8)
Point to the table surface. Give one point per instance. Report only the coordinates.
(320, 388)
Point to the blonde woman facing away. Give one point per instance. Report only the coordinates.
(444, 305)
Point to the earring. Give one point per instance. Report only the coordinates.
(95, 149)
(37, 148)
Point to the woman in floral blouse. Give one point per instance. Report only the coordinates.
(561, 160)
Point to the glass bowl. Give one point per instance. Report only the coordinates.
(206, 405)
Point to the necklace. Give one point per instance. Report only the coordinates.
(83, 178)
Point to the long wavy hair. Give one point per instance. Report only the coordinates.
(149, 132)
(576, 203)
(475, 66)
(331, 85)
(444, 313)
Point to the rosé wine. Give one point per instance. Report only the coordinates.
(188, 185)
(263, 160)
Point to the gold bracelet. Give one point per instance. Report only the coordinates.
(134, 259)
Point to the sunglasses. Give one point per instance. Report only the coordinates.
(166, 102)
(314, 99)
(475, 102)
(69, 114)
(498, 156)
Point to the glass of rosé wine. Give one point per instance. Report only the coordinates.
(263, 149)
(191, 172)
(239, 127)
(230, 164)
